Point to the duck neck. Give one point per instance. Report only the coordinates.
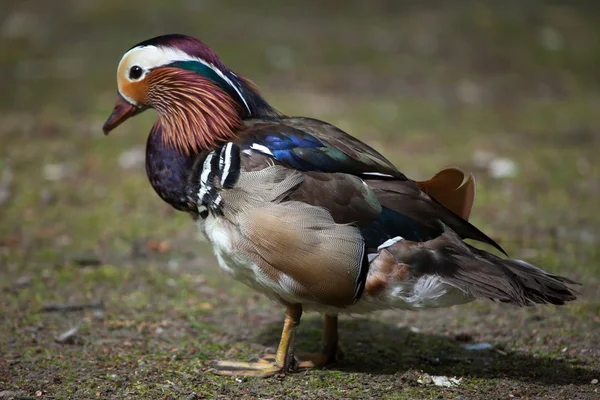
(195, 116)
(168, 170)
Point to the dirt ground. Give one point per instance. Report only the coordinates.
(105, 292)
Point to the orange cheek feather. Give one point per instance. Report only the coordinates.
(136, 91)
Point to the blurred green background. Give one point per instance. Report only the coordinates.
(508, 90)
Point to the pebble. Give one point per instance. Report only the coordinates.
(67, 337)
(442, 381)
(477, 346)
(501, 168)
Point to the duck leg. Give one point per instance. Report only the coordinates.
(305, 360)
(284, 358)
(329, 343)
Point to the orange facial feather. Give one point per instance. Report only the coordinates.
(136, 90)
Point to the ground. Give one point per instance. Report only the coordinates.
(105, 292)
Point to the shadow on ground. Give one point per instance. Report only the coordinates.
(391, 349)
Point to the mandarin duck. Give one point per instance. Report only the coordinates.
(304, 213)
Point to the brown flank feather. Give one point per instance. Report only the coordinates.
(303, 242)
(195, 113)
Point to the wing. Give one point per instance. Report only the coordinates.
(382, 209)
(411, 214)
(311, 145)
(318, 148)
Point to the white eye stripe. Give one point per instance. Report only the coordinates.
(150, 57)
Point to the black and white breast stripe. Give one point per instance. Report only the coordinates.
(220, 170)
(229, 165)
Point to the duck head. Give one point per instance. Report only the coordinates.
(199, 101)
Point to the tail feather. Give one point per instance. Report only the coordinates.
(510, 281)
(480, 274)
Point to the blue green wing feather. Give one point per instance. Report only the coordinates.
(311, 145)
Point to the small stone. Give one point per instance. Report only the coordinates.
(445, 381)
(68, 337)
(594, 381)
(501, 168)
(477, 346)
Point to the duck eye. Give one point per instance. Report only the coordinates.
(135, 72)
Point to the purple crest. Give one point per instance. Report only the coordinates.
(189, 45)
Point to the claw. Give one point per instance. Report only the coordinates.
(259, 369)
